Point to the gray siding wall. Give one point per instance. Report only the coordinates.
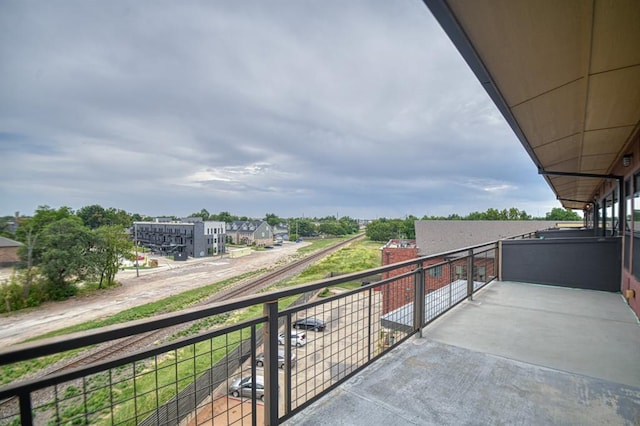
(588, 263)
(200, 246)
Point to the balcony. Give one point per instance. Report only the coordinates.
(518, 353)
(418, 347)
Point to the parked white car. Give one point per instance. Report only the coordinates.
(298, 338)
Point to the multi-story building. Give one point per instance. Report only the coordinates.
(190, 237)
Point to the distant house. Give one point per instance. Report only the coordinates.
(435, 237)
(281, 232)
(258, 233)
(9, 251)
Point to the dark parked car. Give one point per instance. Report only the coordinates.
(310, 323)
(292, 361)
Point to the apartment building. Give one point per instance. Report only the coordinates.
(188, 237)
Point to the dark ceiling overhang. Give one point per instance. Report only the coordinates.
(564, 74)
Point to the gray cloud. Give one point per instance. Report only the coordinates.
(360, 108)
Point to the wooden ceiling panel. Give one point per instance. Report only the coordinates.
(555, 115)
(560, 150)
(573, 188)
(565, 74)
(542, 50)
(614, 99)
(597, 163)
(567, 166)
(607, 141)
(616, 34)
(563, 182)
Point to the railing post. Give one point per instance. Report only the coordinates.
(270, 330)
(470, 275)
(26, 417)
(418, 304)
(369, 325)
(498, 261)
(451, 277)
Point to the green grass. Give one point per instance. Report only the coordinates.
(170, 304)
(319, 244)
(355, 257)
(12, 372)
(171, 375)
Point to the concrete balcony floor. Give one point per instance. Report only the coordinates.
(517, 354)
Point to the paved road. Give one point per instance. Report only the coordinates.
(168, 279)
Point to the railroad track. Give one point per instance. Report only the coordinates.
(246, 287)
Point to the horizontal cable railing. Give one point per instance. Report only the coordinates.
(259, 370)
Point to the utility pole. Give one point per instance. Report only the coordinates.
(135, 227)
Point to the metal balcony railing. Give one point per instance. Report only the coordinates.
(190, 380)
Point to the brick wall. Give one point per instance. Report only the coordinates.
(9, 256)
(401, 292)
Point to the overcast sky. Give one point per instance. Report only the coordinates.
(298, 108)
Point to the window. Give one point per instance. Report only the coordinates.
(480, 273)
(636, 204)
(628, 205)
(608, 212)
(461, 272)
(615, 211)
(435, 271)
(601, 217)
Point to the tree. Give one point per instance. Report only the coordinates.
(112, 243)
(118, 217)
(381, 230)
(305, 227)
(93, 216)
(558, 213)
(66, 256)
(29, 275)
(331, 228)
(43, 216)
(224, 217)
(272, 219)
(351, 226)
(4, 229)
(203, 213)
(408, 228)
(30, 229)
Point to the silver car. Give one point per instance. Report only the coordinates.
(281, 359)
(243, 387)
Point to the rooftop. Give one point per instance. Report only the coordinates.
(517, 354)
(439, 236)
(7, 242)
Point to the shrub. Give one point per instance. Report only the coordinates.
(12, 296)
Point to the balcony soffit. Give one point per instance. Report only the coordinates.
(566, 76)
(560, 150)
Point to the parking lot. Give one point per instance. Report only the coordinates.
(327, 357)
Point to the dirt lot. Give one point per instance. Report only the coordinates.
(168, 279)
